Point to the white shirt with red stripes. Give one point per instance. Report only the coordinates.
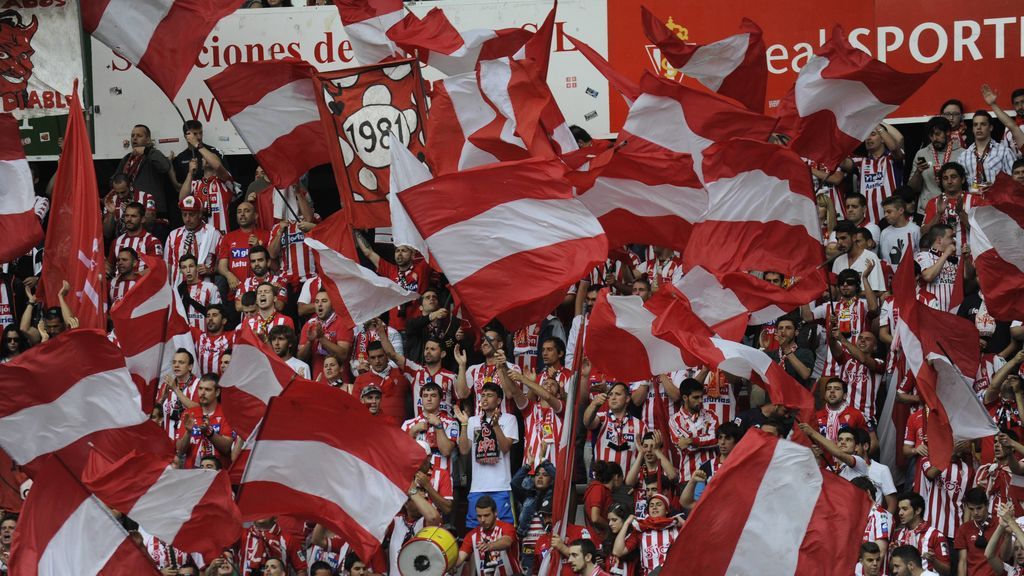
(943, 495)
(542, 429)
(654, 545)
(216, 195)
(852, 318)
(863, 384)
(449, 427)
(942, 285)
(617, 438)
(261, 326)
(418, 375)
(479, 374)
(926, 538)
(879, 526)
(201, 243)
(647, 409)
(209, 349)
(668, 272)
(252, 282)
(701, 429)
(297, 263)
(204, 293)
(6, 306)
(524, 346)
(877, 181)
(142, 242)
(120, 286)
(170, 401)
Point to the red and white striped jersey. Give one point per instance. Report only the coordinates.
(852, 318)
(441, 480)
(995, 478)
(617, 438)
(252, 282)
(989, 365)
(261, 326)
(878, 177)
(144, 198)
(951, 217)
(418, 375)
(120, 286)
(163, 555)
(216, 195)
(202, 243)
(543, 426)
(718, 394)
(142, 242)
(170, 400)
(524, 346)
(942, 286)
(879, 526)
(479, 374)
(926, 539)
(309, 290)
(616, 267)
(297, 263)
(647, 409)
(862, 384)
(209, 349)
(449, 427)
(822, 187)
(943, 495)
(654, 545)
(668, 272)
(701, 429)
(205, 293)
(497, 562)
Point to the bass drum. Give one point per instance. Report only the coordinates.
(433, 552)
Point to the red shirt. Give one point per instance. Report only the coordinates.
(394, 389)
(846, 419)
(503, 562)
(965, 539)
(415, 278)
(234, 248)
(597, 496)
(331, 329)
(198, 445)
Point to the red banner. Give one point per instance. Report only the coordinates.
(364, 110)
(975, 42)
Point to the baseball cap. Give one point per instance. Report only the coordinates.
(370, 389)
(661, 497)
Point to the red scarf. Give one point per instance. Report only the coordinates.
(648, 524)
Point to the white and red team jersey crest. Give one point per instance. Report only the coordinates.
(209, 349)
(878, 177)
(654, 546)
(701, 428)
(418, 375)
(852, 319)
(617, 438)
(297, 263)
(648, 409)
(215, 195)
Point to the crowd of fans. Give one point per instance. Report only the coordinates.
(490, 404)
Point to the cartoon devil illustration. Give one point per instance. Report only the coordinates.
(15, 51)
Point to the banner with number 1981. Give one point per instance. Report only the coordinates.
(365, 111)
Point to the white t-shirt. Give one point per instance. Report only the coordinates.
(300, 367)
(893, 243)
(495, 477)
(876, 280)
(881, 477)
(859, 468)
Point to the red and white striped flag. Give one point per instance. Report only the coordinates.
(162, 38)
(77, 380)
(941, 351)
(618, 81)
(771, 510)
(366, 23)
(192, 510)
(689, 121)
(150, 328)
(646, 194)
(19, 225)
(529, 220)
(997, 244)
(357, 293)
(406, 171)
(74, 234)
(436, 42)
(839, 97)
(761, 213)
(365, 466)
(273, 106)
(254, 376)
(620, 339)
(735, 66)
(63, 529)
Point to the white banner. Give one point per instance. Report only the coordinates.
(40, 56)
(125, 97)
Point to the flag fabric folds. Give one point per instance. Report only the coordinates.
(19, 225)
(997, 244)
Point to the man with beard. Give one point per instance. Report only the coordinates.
(204, 431)
(266, 315)
(408, 271)
(419, 375)
(177, 391)
(986, 157)
(213, 343)
(433, 321)
(322, 336)
(283, 342)
(619, 433)
(147, 169)
(393, 386)
(116, 202)
(233, 258)
(134, 236)
(259, 273)
(941, 149)
(950, 208)
(126, 268)
(470, 381)
(583, 558)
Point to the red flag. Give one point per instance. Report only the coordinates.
(839, 79)
(620, 342)
(62, 527)
(77, 379)
(150, 329)
(335, 233)
(366, 466)
(365, 111)
(735, 66)
(163, 41)
(435, 41)
(74, 236)
(19, 225)
(771, 495)
(254, 376)
(366, 24)
(192, 510)
(941, 351)
(761, 213)
(629, 89)
(273, 106)
(997, 228)
(531, 221)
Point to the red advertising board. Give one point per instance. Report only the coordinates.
(975, 42)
